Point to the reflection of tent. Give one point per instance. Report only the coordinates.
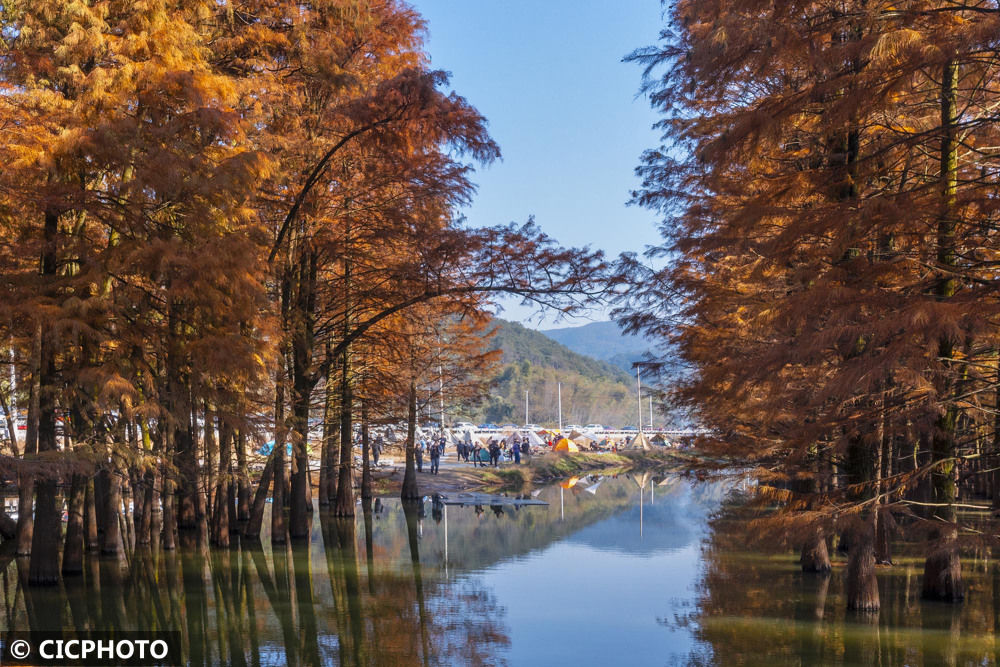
(639, 442)
(569, 483)
(593, 489)
(565, 445)
(643, 479)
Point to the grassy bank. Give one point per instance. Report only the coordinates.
(537, 471)
(550, 468)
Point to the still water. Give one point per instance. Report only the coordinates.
(605, 574)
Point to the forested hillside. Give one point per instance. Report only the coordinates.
(592, 390)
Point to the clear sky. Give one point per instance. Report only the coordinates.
(549, 77)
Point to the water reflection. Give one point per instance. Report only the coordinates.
(753, 605)
(641, 569)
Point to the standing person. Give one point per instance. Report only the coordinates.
(376, 449)
(436, 457)
(419, 450)
(516, 448)
(526, 447)
(494, 454)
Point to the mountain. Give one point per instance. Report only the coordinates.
(603, 340)
(593, 391)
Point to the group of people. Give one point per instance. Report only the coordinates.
(493, 450)
(434, 449)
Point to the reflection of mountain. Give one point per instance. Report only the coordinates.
(674, 519)
(606, 519)
(479, 540)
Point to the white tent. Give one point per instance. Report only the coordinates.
(535, 439)
(639, 442)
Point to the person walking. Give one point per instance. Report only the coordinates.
(419, 451)
(436, 457)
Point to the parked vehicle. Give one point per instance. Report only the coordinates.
(463, 426)
(596, 428)
(532, 427)
(572, 427)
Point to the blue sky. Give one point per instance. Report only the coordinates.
(548, 75)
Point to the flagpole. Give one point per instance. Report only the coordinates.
(638, 383)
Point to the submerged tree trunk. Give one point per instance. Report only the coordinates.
(44, 565)
(862, 585)
(345, 482)
(325, 471)
(815, 555)
(111, 538)
(74, 547)
(302, 388)
(278, 526)
(410, 490)
(243, 483)
(26, 481)
(943, 569)
(256, 520)
(90, 518)
(366, 466)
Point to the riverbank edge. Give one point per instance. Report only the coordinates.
(537, 471)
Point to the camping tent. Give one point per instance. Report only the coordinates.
(565, 445)
(639, 442)
(574, 434)
(535, 439)
(583, 440)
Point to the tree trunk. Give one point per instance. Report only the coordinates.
(221, 510)
(278, 527)
(243, 484)
(942, 569)
(74, 545)
(111, 538)
(256, 520)
(90, 518)
(303, 384)
(345, 482)
(366, 467)
(862, 585)
(44, 565)
(815, 555)
(410, 490)
(325, 471)
(26, 482)
(25, 514)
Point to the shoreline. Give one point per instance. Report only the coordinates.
(539, 470)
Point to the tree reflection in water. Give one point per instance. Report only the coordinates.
(307, 603)
(754, 606)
